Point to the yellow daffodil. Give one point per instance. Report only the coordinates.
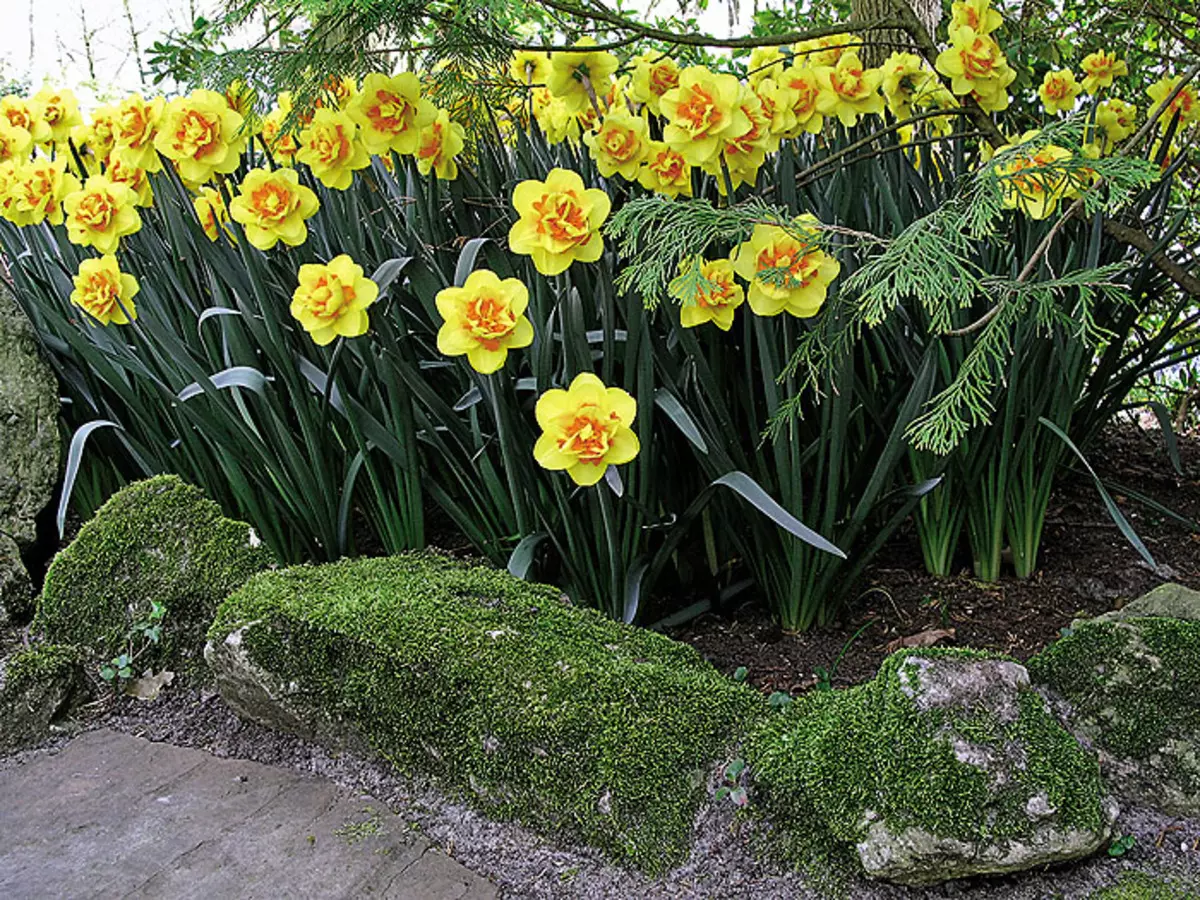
(653, 75)
(212, 213)
(137, 179)
(975, 64)
(665, 171)
(804, 94)
(15, 142)
(201, 135)
(37, 192)
(1117, 119)
(1185, 104)
(700, 112)
(765, 62)
(134, 125)
(585, 429)
(1032, 181)
(978, 15)
(282, 145)
(241, 98)
(440, 142)
(904, 78)
(707, 292)
(559, 221)
(1059, 90)
(391, 112)
(787, 270)
(60, 110)
(848, 90)
(331, 300)
(776, 102)
(272, 207)
(8, 180)
(104, 292)
(484, 319)
(825, 51)
(97, 137)
(27, 114)
(101, 213)
(620, 145)
(529, 67)
(573, 72)
(744, 153)
(329, 146)
(1099, 70)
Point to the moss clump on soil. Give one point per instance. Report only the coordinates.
(1143, 886)
(840, 758)
(1140, 676)
(535, 710)
(158, 540)
(39, 663)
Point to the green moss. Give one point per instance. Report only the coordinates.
(156, 540)
(1142, 886)
(38, 664)
(832, 756)
(535, 710)
(1137, 681)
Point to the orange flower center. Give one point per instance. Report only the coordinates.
(96, 211)
(800, 266)
(100, 294)
(490, 320)
(196, 135)
(561, 218)
(431, 147)
(978, 60)
(328, 298)
(389, 113)
(669, 166)
(699, 111)
(806, 97)
(1057, 89)
(848, 82)
(272, 202)
(331, 145)
(620, 144)
(718, 294)
(589, 436)
(662, 79)
(134, 128)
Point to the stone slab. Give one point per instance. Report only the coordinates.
(111, 815)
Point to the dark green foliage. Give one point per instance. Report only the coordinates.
(831, 756)
(534, 709)
(158, 540)
(1140, 679)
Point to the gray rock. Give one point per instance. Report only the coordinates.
(258, 695)
(38, 685)
(1127, 684)
(29, 446)
(947, 765)
(16, 593)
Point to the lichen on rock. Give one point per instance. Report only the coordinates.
(946, 765)
(158, 540)
(29, 449)
(1130, 682)
(528, 707)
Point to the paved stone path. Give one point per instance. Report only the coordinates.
(113, 815)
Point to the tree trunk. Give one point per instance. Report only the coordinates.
(878, 45)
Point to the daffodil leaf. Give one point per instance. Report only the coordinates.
(752, 492)
(235, 376)
(74, 458)
(466, 260)
(678, 414)
(521, 560)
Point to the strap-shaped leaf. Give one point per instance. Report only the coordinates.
(1109, 504)
(466, 260)
(389, 271)
(235, 376)
(74, 458)
(752, 492)
(521, 559)
(677, 413)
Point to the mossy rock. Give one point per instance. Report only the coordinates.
(158, 540)
(1132, 689)
(948, 764)
(38, 685)
(1143, 886)
(530, 708)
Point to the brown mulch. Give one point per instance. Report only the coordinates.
(1086, 568)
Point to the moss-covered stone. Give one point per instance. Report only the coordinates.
(533, 709)
(37, 684)
(1133, 688)
(1143, 886)
(947, 764)
(158, 540)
